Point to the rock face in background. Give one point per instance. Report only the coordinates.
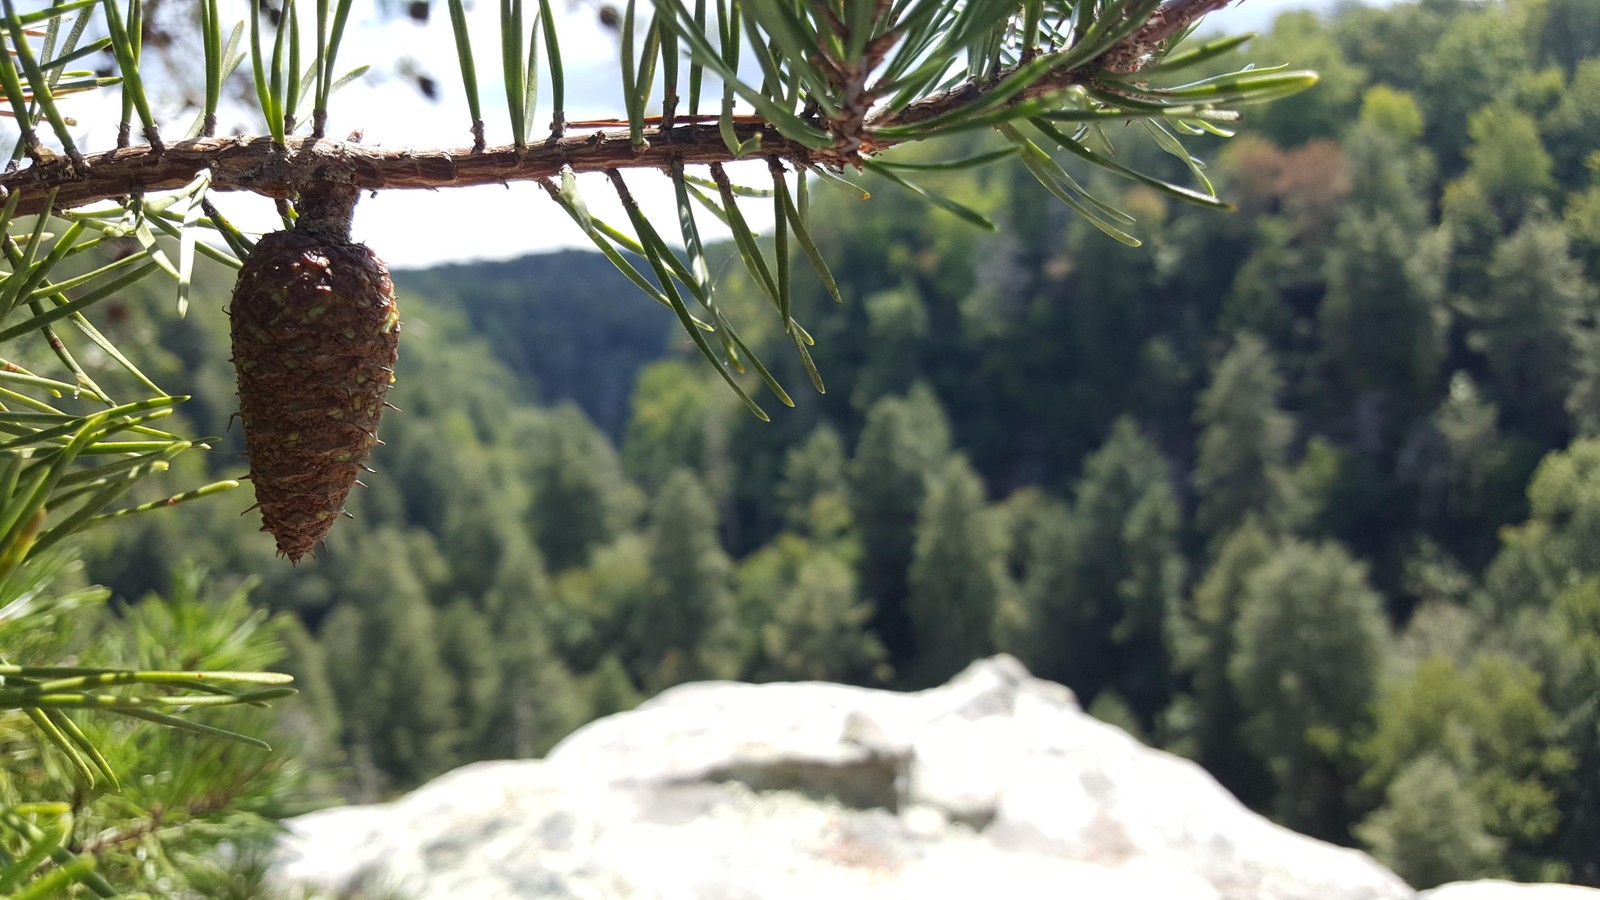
(1507, 890)
(995, 784)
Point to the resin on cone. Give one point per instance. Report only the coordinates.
(315, 337)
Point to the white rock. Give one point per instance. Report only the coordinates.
(994, 785)
(1507, 890)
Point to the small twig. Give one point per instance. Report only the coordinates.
(161, 819)
(1174, 17)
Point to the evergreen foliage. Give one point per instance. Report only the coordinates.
(803, 607)
(1236, 458)
(814, 492)
(1241, 462)
(1488, 728)
(1529, 320)
(1310, 638)
(610, 689)
(1383, 318)
(1124, 574)
(577, 336)
(179, 797)
(1430, 830)
(575, 479)
(685, 629)
(903, 441)
(956, 577)
(1204, 643)
(385, 666)
(677, 423)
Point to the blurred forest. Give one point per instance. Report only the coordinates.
(1309, 492)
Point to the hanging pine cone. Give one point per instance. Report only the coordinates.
(315, 337)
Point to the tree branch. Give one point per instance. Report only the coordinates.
(258, 165)
(1173, 17)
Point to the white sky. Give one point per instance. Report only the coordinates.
(1257, 15)
(411, 228)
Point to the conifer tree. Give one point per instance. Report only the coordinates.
(1507, 159)
(1339, 91)
(677, 423)
(1527, 325)
(1559, 544)
(1383, 320)
(434, 459)
(395, 694)
(1578, 623)
(579, 499)
(1464, 69)
(1032, 522)
(1240, 467)
(1475, 229)
(1203, 640)
(591, 614)
(904, 440)
(814, 492)
(1582, 219)
(186, 811)
(1486, 723)
(1310, 638)
(481, 534)
(685, 628)
(463, 634)
(611, 690)
(1583, 400)
(537, 700)
(1571, 135)
(957, 575)
(1463, 468)
(312, 722)
(1050, 629)
(1102, 584)
(1431, 829)
(814, 626)
(856, 86)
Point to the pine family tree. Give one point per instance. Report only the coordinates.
(842, 87)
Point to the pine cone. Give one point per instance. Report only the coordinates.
(315, 337)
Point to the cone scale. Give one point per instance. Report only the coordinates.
(315, 338)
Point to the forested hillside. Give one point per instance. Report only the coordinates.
(568, 323)
(1309, 491)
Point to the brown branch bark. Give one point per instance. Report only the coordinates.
(258, 165)
(1174, 17)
